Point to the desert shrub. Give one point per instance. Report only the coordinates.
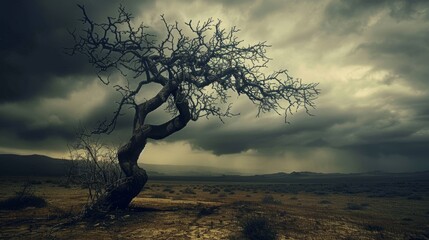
(320, 193)
(214, 191)
(59, 213)
(374, 228)
(325, 202)
(168, 189)
(258, 228)
(415, 197)
(188, 191)
(51, 181)
(355, 206)
(94, 166)
(159, 195)
(35, 182)
(23, 199)
(205, 211)
(222, 195)
(293, 198)
(269, 199)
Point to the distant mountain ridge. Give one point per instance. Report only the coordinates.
(32, 165)
(40, 165)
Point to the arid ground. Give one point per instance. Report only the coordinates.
(394, 209)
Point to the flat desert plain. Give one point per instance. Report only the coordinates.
(180, 209)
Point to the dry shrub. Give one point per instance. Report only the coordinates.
(23, 199)
(95, 166)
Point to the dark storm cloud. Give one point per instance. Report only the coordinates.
(349, 16)
(34, 66)
(401, 54)
(359, 120)
(28, 132)
(32, 46)
(233, 137)
(353, 16)
(413, 150)
(32, 52)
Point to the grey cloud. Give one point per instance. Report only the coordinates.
(411, 9)
(32, 53)
(33, 43)
(358, 133)
(349, 16)
(353, 16)
(403, 54)
(231, 138)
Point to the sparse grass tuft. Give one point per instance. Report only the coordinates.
(415, 197)
(159, 195)
(205, 211)
(355, 206)
(214, 191)
(325, 202)
(23, 199)
(188, 191)
(374, 228)
(258, 228)
(269, 199)
(20, 202)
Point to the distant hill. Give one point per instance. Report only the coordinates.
(39, 165)
(186, 170)
(32, 165)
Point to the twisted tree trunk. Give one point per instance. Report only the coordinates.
(121, 195)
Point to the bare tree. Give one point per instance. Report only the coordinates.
(197, 67)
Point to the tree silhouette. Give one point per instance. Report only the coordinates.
(196, 67)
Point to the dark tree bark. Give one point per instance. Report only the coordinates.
(196, 72)
(120, 196)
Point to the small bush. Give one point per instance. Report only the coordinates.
(23, 199)
(258, 228)
(222, 195)
(354, 206)
(159, 195)
(415, 197)
(20, 202)
(374, 228)
(188, 191)
(206, 211)
(269, 199)
(35, 182)
(214, 191)
(325, 202)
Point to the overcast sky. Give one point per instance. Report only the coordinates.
(370, 58)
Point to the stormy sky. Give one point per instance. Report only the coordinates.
(370, 59)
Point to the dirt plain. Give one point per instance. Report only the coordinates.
(216, 210)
